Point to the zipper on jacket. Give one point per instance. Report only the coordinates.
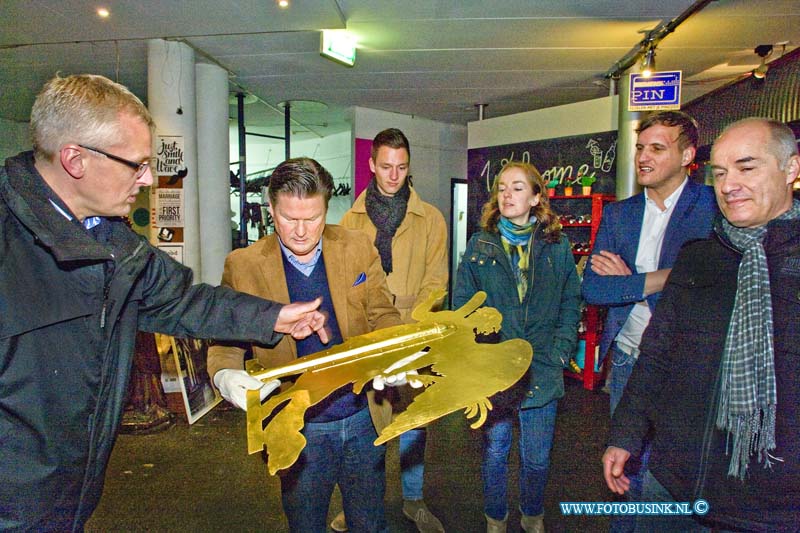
(532, 260)
(105, 307)
(708, 431)
(92, 422)
(107, 276)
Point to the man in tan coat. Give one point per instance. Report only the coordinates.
(411, 238)
(305, 260)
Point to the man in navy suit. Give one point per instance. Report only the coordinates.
(638, 241)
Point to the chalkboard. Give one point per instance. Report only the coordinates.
(560, 159)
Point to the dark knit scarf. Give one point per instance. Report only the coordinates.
(748, 395)
(386, 213)
(516, 241)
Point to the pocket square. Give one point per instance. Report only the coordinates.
(360, 279)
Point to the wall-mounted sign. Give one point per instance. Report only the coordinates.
(661, 90)
(169, 155)
(175, 251)
(339, 46)
(169, 208)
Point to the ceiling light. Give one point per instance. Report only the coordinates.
(339, 46)
(283, 4)
(763, 51)
(103, 12)
(649, 62)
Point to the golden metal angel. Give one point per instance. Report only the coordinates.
(464, 374)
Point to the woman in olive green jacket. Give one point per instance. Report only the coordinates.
(526, 267)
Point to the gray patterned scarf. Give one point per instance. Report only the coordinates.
(386, 213)
(748, 395)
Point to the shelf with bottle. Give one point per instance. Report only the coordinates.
(590, 328)
(575, 221)
(605, 196)
(598, 196)
(580, 217)
(580, 248)
(576, 213)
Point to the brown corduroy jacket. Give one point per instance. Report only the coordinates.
(359, 307)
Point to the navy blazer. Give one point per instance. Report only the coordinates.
(619, 233)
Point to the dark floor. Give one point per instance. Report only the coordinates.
(200, 478)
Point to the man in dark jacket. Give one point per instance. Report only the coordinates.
(75, 285)
(717, 374)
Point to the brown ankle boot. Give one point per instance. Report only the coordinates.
(496, 526)
(532, 524)
(339, 524)
(418, 512)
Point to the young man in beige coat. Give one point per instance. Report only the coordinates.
(411, 238)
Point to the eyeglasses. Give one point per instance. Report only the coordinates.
(140, 168)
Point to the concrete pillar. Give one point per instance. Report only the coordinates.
(627, 122)
(171, 99)
(213, 151)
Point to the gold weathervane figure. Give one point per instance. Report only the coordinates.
(464, 374)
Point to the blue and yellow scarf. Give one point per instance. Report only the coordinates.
(516, 241)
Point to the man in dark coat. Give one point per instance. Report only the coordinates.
(717, 374)
(76, 283)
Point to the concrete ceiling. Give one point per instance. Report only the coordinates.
(435, 59)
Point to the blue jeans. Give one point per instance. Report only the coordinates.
(337, 452)
(622, 366)
(412, 462)
(536, 428)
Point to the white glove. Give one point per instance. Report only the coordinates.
(395, 380)
(234, 384)
(401, 378)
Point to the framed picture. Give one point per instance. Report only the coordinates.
(199, 395)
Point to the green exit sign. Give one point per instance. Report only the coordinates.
(338, 46)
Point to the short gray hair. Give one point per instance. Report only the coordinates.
(782, 144)
(83, 109)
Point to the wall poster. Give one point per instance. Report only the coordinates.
(169, 208)
(175, 251)
(199, 395)
(169, 155)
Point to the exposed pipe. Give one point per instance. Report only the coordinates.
(652, 39)
(242, 171)
(627, 122)
(340, 12)
(265, 135)
(287, 128)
